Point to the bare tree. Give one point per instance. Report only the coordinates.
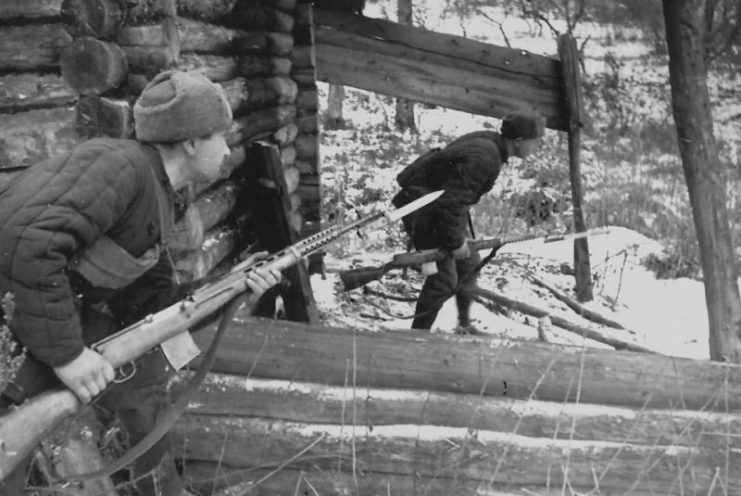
(686, 25)
(404, 118)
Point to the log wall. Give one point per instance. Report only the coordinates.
(294, 409)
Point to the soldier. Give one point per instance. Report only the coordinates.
(465, 169)
(83, 252)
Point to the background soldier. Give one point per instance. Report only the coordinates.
(465, 169)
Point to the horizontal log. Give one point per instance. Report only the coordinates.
(303, 56)
(311, 200)
(295, 200)
(152, 60)
(259, 122)
(486, 366)
(286, 135)
(307, 167)
(296, 221)
(236, 92)
(271, 91)
(222, 68)
(251, 15)
(459, 454)
(434, 68)
(288, 157)
(307, 146)
(308, 123)
(217, 245)
(303, 34)
(31, 136)
(202, 37)
(96, 18)
(25, 91)
(30, 9)
(209, 476)
(217, 11)
(307, 100)
(100, 116)
(316, 403)
(304, 14)
(93, 66)
(32, 46)
(306, 76)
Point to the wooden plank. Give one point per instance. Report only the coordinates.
(34, 135)
(275, 231)
(486, 366)
(239, 396)
(32, 46)
(26, 91)
(459, 454)
(415, 80)
(402, 52)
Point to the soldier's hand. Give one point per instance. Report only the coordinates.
(463, 251)
(260, 280)
(87, 375)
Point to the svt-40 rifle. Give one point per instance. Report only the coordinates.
(358, 277)
(26, 425)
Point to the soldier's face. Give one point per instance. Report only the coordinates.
(210, 153)
(524, 148)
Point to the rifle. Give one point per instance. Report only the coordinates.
(26, 425)
(356, 278)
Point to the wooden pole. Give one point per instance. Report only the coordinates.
(485, 366)
(575, 112)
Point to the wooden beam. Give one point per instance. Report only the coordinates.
(217, 245)
(317, 403)
(286, 135)
(268, 92)
(458, 454)
(486, 366)
(222, 68)
(30, 136)
(26, 91)
(93, 66)
(32, 46)
(247, 128)
(425, 66)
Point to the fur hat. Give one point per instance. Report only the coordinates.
(178, 105)
(525, 125)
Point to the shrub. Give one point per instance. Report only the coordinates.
(10, 358)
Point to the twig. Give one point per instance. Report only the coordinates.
(373, 292)
(575, 305)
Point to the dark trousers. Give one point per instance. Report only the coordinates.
(137, 402)
(439, 287)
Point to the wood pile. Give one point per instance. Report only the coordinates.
(339, 411)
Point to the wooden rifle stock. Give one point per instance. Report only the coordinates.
(356, 278)
(25, 426)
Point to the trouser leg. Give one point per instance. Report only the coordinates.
(436, 289)
(138, 402)
(466, 293)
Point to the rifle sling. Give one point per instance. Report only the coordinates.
(166, 421)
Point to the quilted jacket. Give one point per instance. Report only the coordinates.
(60, 206)
(466, 169)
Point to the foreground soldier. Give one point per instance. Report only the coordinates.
(81, 250)
(465, 169)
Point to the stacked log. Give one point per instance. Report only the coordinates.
(36, 104)
(362, 412)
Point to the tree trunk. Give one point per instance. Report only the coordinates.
(335, 98)
(705, 176)
(404, 118)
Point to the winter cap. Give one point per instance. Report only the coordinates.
(178, 105)
(525, 125)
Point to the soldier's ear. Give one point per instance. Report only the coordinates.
(189, 146)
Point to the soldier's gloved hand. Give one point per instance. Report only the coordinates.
(463, 251)
(87, 375)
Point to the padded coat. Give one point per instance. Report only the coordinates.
(466, 169)
(60, 206)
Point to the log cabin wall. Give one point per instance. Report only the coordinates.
(71, 70)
